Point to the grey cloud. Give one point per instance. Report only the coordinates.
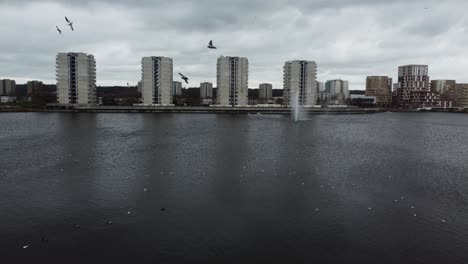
(348, 39)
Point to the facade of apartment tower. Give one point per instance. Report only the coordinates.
(338, 91)
(7, 87)
(381, 88)
(464, 88)
(414, 87)
(300, 81)
(76, 78)
(265, 93)
(451, 94)
(232, 81)
(206, 90)
(177, 88)
(157, 81)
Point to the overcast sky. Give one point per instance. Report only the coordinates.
(349, 39)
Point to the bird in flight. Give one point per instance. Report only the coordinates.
(184, 77)
(59, 30)
(69, 23)
(210, 45)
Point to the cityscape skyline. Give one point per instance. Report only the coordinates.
(373, 45)
(76, 85)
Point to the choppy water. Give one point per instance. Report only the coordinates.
(235, 188)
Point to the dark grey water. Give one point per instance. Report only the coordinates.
(236, 188)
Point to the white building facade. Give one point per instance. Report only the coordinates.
(338, 90)
(76, 78)
(232, 81)
(300, 81)
(157, 81)
(265, 91)
(206, 90)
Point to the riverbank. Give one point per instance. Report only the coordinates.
(212, 109)
(190, 109)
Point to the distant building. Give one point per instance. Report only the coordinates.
(7, 87)
(265, 93)
(206, 90)
(442, 85)
(424, 99)
(338, 90)
(34, 87)
(363, 100)
(7, 99)
(300, 81)
(464, 87)
(76, 78)
(451, 94)
(177, 88)
(157, 81)
(140, 86)
(232, 81)
(381, 88)
(411, 79)
(320, 87)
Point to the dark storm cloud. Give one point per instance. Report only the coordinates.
(348, 39)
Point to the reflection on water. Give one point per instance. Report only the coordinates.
(235, 188)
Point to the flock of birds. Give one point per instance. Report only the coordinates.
(70, 24)
(183, 77)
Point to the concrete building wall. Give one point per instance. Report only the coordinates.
(300, 80)
(177, 88)
(76, 78)
(33, 87)
(338, 89)
(206, 90)
(320, 87)
(442, 86)
(265, 91)
(7, 87)
(232, 81)
(464, 88)
(450, 93)
(157, 80)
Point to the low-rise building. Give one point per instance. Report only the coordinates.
(363, 100)
(424, 99)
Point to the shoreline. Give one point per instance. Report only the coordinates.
(211, 110)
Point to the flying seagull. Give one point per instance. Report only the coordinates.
(184, 77)
(59, 30)
(69, 23)
(210, 45)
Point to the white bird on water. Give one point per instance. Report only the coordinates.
(26, 246)
(443, 221)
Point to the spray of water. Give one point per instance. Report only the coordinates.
(295, 105)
